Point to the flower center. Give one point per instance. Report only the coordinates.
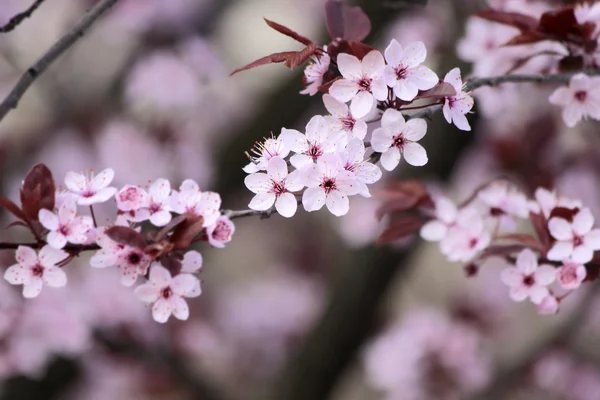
(130, 194)
(37, 270)
(580, 95)
(155, 207)
(365, 84)
(528, 280)
(328, 185)
(134, 258)
(222, 232)
(473, 243)
(167, 292)
(64, 230)
(278, 188)
(348, 123)
(399, 141)
(315, 152)
(568, 274)
(401, 72)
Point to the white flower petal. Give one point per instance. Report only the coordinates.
(337, 203)
(286, 205)
(560, 229)
(390, 158)
(55, 277)
(192, 262)
(180, 308)
(161, 311)
(415, 154)
(313, 199)
(262, 201)
(147, 293)
(33, 287)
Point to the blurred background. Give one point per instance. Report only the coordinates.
(306, 308)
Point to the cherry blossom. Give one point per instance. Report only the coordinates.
(272, 147)
(548, 306)
(329, 184)
(190, 199)
(93, 189)
(130, 260)
(463, 242)
(571, 274)
(65, 226)
(528, 280)
(574, 240)
(397, 137)
(310, 147)
(221, 232)
(166, 293)
(342, 120)
(33, 270)
(579, 100)
(362, 82)
(353, 159)
(156, 204)
(191, 263)
(275, 187)
(546, 201)
(456, 107)
(448, 216)
(131, 198)
(404, 72)
(314, 72)
(505, 201)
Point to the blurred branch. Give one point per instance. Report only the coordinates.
(20, 17)
(475, 83)
(564, 335)
(60, 47)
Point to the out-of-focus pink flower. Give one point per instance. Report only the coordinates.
(464, 241)
(579, 100)
(362, 82)
(571, 274)
(33, 270)
(457, 107)
(166, 293)
(93, 189)
(506, 202)
(574, 240)
(527, 279)
(546, 201)
(404, 72)
(342, 120)
(190, 199)
(396, 137)
(447, 218)
(314, 72)
(221, 232)
(65, 226)
(548, 306)
(309, 147)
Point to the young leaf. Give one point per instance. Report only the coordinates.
(441, 90)
(12, 208)
(127, 236)
(38, 191)
(345, 22)
(290, 58)
(186, 231)
(522, 22)
(401, 227)
(288, 32)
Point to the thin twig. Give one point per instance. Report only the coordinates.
(20, 17)
(12, 100)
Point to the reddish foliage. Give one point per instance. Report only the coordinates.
(37, 192)
(127, 236)
(540, 224)
(441, 90)
(187, 231)
(346, 22)
(291, 59)
(288, 32)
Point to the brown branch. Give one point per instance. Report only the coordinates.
(20, 17)
(12, 100)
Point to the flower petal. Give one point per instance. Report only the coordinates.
(55, 277)
(527, 262)
(415, 154)
(48, 219)
(147, 293)
(415, 129)
(262, 201)
(179, 308)
(313, 199)
(33, 287)
(343, 90)
(192, 262)
(286, 205)
(560, 229)
(349, 66)
(362, 104)
(17, 274)
(337, 203)
(26, 256)
(161, 311)
(583, 222)
(183, 283)
(390, 158)
(545, 275)
(560, 251)
(277, 169)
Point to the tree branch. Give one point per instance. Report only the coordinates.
(60, 47)
(20, 17)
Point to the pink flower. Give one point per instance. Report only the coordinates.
(505, 201)
(342, 120)
(447, 217)
(353, 159)
(571, 274)
(220, 232)
(577, 240)
(397, 137)
(156, 204)
(166, 293)
(580, 99)
(131, 260)
(404, 72)
(275, 187)
(191, 263)
(546, 201)
(457, 107)
(66, 226)
(264, 152)
(33, 270)
(310, 147)
(527, 279)
(314, 72)
(93, 189)
(329, 183)
(190, 199)
(131, 198)
(463, 241)
(362, 82)
(548, 306)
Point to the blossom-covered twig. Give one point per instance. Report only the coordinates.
(12, 100)
(20, 17)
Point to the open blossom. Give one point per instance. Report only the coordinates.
(404, 72)
(397, 137)
(528, 280)
(92, 189)
(329, 184)
(362, 82)
(342, 120)
(546, 201)
(131, 198)
(464, 241)
(310, 147)
(156, 205)
(353, 159)
(189, 199)
(191, 263)
(275, 187)
(166, 293)
(457, 107)
(574, 240)
(221, 232)
(314, 73)
(505, 201)
(33, 270)
(65, 226)
(447, 216)
(571, 274)
(132, 261)
(579, 100)
(272, 147)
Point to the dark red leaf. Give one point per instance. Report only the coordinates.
(12, 208)
(540, 224)
(301, 56)
(172, 263)
(38, 191)
(169, 227)
(360, 50)
(290, 58)
(126, 236)
(186, 231)
(400, 228)
(564, 213)
(17, 223)
(345, 22)
(525, 38)
(403, 196)
(559, 22)
(325, 87)
(288, 32)
(441, 90)
(571, 63)
(522, 22)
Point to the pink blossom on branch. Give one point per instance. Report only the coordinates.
(314, 73)
(272, 147)
(570, 275)
(65, 226)
(457, 107)
(221, 232)
(342, 120)
(581, 99)
(309, 147)
(190, 199)
(528, 280)
(365, 172)
(574, 240)
(91, 189)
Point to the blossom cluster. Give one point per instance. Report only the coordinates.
(332, 160)
(162, 257)
(485, 225)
